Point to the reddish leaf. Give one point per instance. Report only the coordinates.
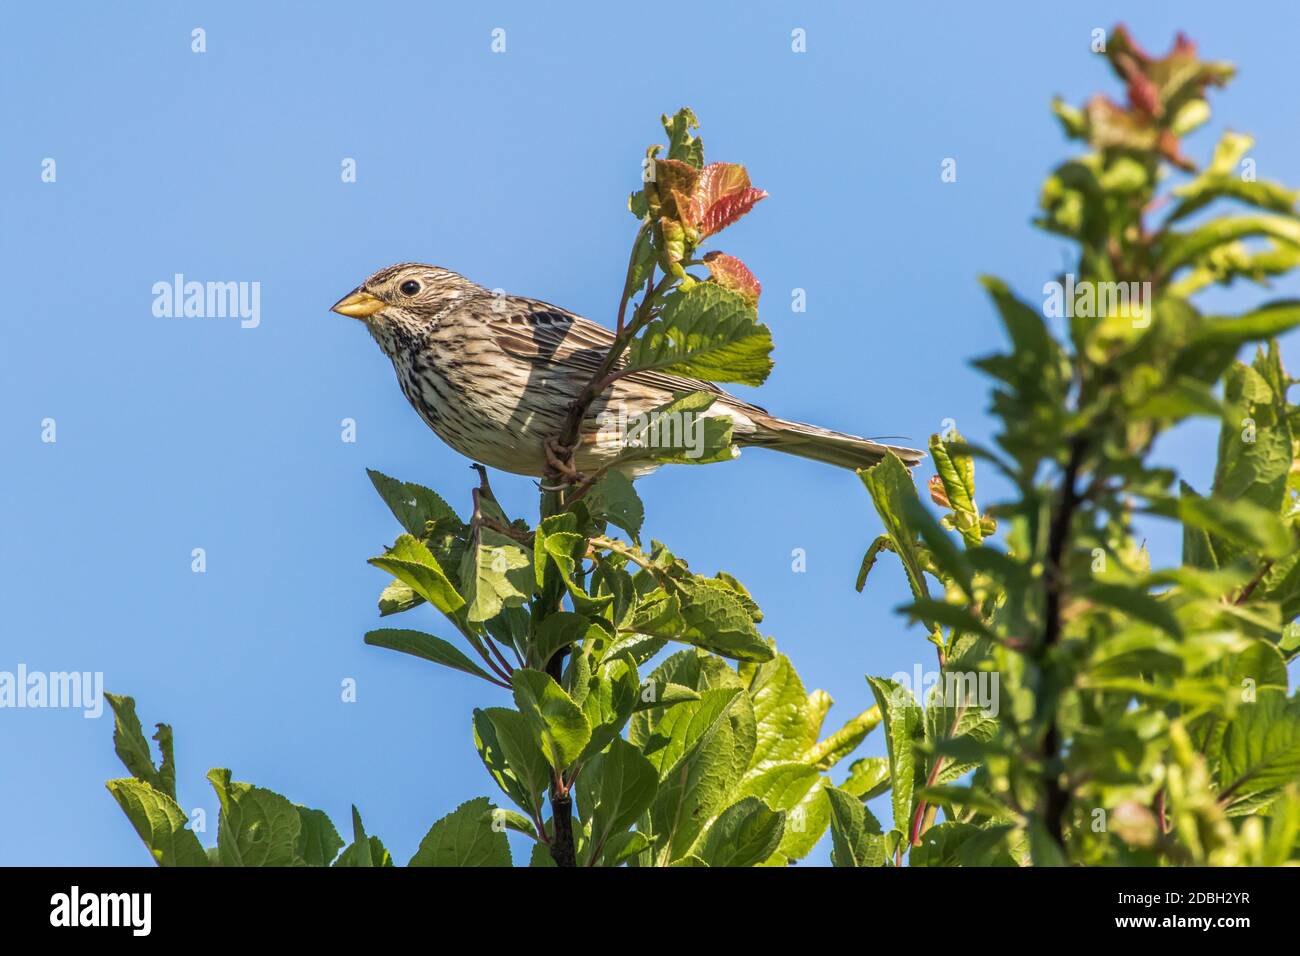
(730, 273)
(722, 196)
(939, 494)
(1158, 87)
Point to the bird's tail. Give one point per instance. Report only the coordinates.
(822, 444)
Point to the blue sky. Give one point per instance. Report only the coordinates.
(512, 168)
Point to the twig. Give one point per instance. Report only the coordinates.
(1254, 582)
(496, 651)
(596, 385)
(510, 531)
(601, 543)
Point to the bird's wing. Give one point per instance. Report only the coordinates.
(541, 332)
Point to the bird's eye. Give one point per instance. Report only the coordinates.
(410, 287)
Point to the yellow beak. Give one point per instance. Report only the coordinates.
(358, 305)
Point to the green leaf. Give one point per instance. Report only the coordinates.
(957, 475)
(159, 821)
(882, 543)
(705, 332)
(855, 834)
(557, 542)
(611, 698)
(318, 841)
(541, 857)
(615, 500)
(1180, 248)
(707, 614)
(953, 714)
(622, 847)
(652, 696)
(944, 553)
(556, 632)
(644, 257)
(614, 789)
(868, 778)
(167, 768)
(1282, 585)
(1255, 450)
(786, 728)
(414, 506)
(1136, 603)
(419, 644)
(557, 722)
(496, 572)
(1226, 334)
(363, 851)
(1243, 523)
(678, 432)
(512, 820)
(257, 827)
(398, 597)
(1179, 399)
(890, 484)
(681, 144)
(558, 548)
(961, 844)
(410, 562)
(798, 790)
(1235, 260)
(745, 834)
(133, 750)
(1198, 547)
(1037, 367)
(903, 729)
(1260, 753)
(715, 739)
(931, 612)
(666, 739)
(967, 798)
(844, 741)
(508, 749)
(465, 837)
(1222, 179)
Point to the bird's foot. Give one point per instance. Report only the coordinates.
(560, 459)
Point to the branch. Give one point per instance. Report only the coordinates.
(602, 543)
(1253, 583)
(601, 377)
(563, 850)
(1056, 798)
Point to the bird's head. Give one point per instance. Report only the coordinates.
(402, 301)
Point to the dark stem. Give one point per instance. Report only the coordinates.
(554, 501)
(563, 851)
(1056, 798)
(568, 437)
(1254, 582)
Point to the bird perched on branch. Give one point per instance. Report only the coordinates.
(495, 377)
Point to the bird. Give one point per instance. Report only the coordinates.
(495, 375)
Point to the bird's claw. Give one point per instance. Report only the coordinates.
(560, 459)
